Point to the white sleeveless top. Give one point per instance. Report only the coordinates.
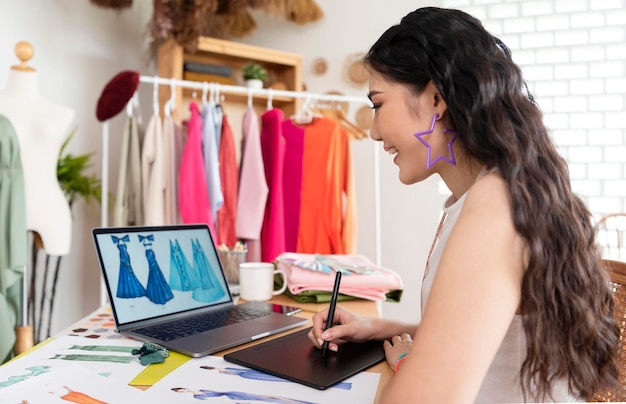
(501, 383)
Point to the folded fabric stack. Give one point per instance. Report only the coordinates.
(310, 277)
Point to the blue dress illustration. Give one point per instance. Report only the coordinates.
(210, 288)
(182, 276)
(158, 291)
(266, 377)
(202, 394)
(128, 286)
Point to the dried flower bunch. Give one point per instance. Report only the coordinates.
(117, 4)
(187, 20)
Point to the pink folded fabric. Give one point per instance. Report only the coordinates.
(373, 286)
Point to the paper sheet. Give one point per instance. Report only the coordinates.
(101, 356)
(73, 383)
(213, 378)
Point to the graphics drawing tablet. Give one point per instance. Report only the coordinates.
(294, 357)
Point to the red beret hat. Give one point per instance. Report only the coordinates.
(116, 94)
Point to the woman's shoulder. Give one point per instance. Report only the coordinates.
(488, 192)
(488, 212)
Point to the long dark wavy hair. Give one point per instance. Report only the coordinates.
(566, 299)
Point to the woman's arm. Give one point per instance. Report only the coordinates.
(475, 294)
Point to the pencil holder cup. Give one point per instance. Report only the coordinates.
(230, 262)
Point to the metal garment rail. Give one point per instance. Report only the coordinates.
(251, 92)
(269, 92)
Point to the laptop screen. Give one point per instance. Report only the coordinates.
(159, 270)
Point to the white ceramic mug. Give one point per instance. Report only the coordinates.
(256, 281)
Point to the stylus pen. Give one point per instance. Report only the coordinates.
(331, 311)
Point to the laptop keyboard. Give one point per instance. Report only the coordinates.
(197, 324)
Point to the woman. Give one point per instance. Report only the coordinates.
(515, 305)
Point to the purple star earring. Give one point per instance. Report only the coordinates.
(418, 135)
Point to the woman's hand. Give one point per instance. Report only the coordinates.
(346, 325)
(397, 348)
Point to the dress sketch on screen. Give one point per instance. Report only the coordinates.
(182, 276)
(210, 288)
(157, 290)
(33, 371)
(203, 394)
(128, 286)
(266, 377)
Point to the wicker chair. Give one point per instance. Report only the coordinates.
(617, 272)
(611, 236)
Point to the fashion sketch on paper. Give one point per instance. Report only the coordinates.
(253, 374)
(203, 394)
(68, 394)
(32, 372)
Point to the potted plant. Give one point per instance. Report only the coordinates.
(254, 75)
(72, 176)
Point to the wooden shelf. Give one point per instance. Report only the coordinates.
(282, 67)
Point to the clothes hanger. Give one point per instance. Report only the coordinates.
(218, 99)
(250, 105)
(334, 110)
(170, 105)
(338, 115)
(155, 97)
(305, 114)
(205, 90)
(133, 105)
(217, 96)
(269, 99)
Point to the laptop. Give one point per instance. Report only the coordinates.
(166, 285)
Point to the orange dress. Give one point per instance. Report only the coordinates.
(82, 398)
(229, 175)
(327, 200)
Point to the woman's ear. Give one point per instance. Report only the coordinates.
(436, 100)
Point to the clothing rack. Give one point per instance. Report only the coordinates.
(251, 92)
(269, 92)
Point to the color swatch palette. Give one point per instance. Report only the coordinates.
(99, 324)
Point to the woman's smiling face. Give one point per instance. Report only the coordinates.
(398, 115)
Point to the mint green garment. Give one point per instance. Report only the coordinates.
(13, 244)
(320, 296)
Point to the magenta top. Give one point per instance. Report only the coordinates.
(292, 181)
(273, 148)
(193, 196)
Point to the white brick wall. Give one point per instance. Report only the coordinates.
(573, 55)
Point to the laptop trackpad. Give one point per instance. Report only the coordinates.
(226, 336)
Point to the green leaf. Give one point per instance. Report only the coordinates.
(74, 182)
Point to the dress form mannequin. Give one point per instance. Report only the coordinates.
(41, 127)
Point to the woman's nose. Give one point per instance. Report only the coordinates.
(374, 134)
